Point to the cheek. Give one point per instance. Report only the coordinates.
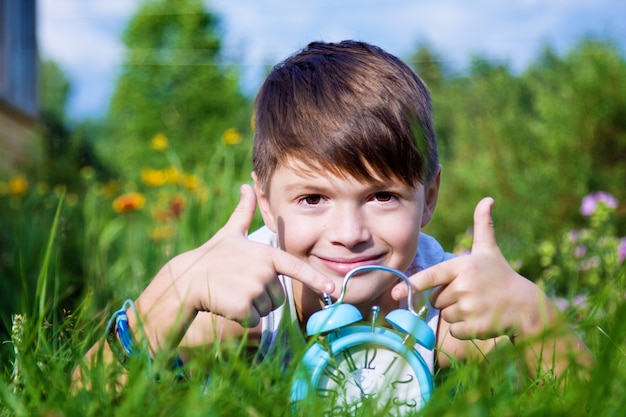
(299, 237)
(402, 234)
(406, 238)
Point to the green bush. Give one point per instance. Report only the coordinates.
(537, 142)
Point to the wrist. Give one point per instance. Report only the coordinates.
(164, 313)
(174, 288)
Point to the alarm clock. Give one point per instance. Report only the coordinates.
(354, 364)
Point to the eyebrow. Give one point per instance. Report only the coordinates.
(302, 185)
(306, 187)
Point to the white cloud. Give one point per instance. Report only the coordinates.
(83, 36)
(113, 8)
(75, 31)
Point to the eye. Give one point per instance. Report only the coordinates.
(383, 197)
(311, 199)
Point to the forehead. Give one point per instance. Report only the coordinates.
(297, 171)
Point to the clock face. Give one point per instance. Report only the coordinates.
(369, 376)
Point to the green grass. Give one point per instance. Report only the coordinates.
(119, 253)
(45, 346)
(37, 381)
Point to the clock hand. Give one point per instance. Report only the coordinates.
(363, 394)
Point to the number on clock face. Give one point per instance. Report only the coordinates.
(370, 374)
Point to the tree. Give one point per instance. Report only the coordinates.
(580, 103)
(431, 68)
(55, 87)
(537, 142)
(67, 148)
(172, 83)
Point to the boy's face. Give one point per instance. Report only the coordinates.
(336, 224)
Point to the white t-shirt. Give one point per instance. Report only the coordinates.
(429, 252)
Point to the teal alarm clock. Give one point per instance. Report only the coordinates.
(353, 363)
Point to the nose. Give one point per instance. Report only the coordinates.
(348, 227)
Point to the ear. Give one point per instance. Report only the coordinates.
(264, 204)
(431, 193)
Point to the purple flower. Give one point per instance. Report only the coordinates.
(579, 301)
(590, 263)
(621, 250)
(580, 251)
(591, 201)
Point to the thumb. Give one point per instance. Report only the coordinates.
(241, 218)
(484, 233)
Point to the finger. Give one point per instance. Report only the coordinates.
(484, 233)
(253, 319)
(447, 296)
(452, 314)
(289, 265)
(472, 329)
(460, 330)
(439, 274)
(276, 293)
(241, 218)
(263, 304)
(435, 296)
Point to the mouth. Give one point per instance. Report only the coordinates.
(341, 266)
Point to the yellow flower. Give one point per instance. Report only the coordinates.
(159, 142)
(162, 233)
(161, 215)
(128, 202)
(71, 200)
(201, 194)
(18, 186)
(172, 175)
(231, 137)
(153, 177)
(42, 188)
(87, 173)
(59, 190)
(191, 182)
(110, 188)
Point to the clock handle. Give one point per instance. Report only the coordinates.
(423, 310)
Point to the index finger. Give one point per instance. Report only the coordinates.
(439, 274)
(287, 264)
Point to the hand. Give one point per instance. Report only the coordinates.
(479, 294)
(232, 276)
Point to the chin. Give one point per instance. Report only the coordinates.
(369, 298)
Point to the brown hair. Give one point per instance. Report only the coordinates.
(352, 109)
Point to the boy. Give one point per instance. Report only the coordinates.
(346, 174)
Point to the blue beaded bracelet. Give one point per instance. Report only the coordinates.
(120, 339)
(119, 336)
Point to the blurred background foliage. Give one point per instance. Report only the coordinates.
(172, 82)
(160, 172)
(537, 141)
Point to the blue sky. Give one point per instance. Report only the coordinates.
(83, 36)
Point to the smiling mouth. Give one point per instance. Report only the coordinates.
(343, 266)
